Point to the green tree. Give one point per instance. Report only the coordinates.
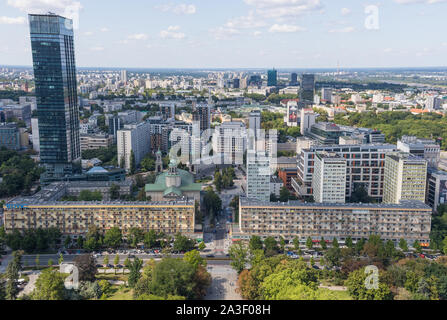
(12, 275)
(202, 246)
(135, 236)
(49, 286)
(106, 259)
(349, 242)
(132, 162)
(50, 262)
(193, 258)
(239, 256)
(61, 258)
(358, 290)
(296, 244)
(134, 269)
(284, 194)
(255, 243)
(335, 243)
(114, 191)
(271, 246)
(150, 239)
(116, 261)
(113, 238)
(309, 243)
(37, 261)
(182, 243)
(323, 244)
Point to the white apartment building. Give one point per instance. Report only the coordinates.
(258, 177)
(229, 143)
(329, 178)
(405, 178)
(308, 119)
(134, 138)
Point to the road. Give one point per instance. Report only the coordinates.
(219, 242)
(224, 283)
(30, 260)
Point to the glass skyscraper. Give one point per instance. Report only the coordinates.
(307, 90)
(56, 92)
(272, 78)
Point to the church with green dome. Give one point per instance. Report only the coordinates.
(175, 184)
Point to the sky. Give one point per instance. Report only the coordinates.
(238, 33)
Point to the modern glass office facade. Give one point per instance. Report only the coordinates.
(56, 92)
(307, 89)
(272, 78)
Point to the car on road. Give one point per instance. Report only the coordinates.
(210, 256)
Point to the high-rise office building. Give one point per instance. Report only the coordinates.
(256, 140)
(307, 89)
(294, 79)
(202, 114)
(405, 178)
(123, 76)
(326, 94)
(258, 176)
(329, 178)
(272, 78)
(56, 92)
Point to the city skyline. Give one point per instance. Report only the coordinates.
(243, 33)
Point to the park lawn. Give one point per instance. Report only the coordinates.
(121, 293)
(340, 295)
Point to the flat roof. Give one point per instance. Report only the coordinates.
(245, 202)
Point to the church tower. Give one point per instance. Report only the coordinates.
(158, 162)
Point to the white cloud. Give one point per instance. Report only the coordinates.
(345, 11)
(419, 1)
(224, 32)
(10, 20)
(178, 9)
(342, 30)
(88, 33)
(104, 29)
(249, 21)
(279, 9)
(138, 36)
(66, 7)
(257, 33)
(172, 33)
(286, 28)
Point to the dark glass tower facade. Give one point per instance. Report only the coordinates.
(307, 90)
(272, 78)
(56, 92)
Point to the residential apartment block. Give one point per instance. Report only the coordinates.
(364, 164)
(329, 178)
(409, 220)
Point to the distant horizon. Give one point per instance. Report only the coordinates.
(283, 69)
